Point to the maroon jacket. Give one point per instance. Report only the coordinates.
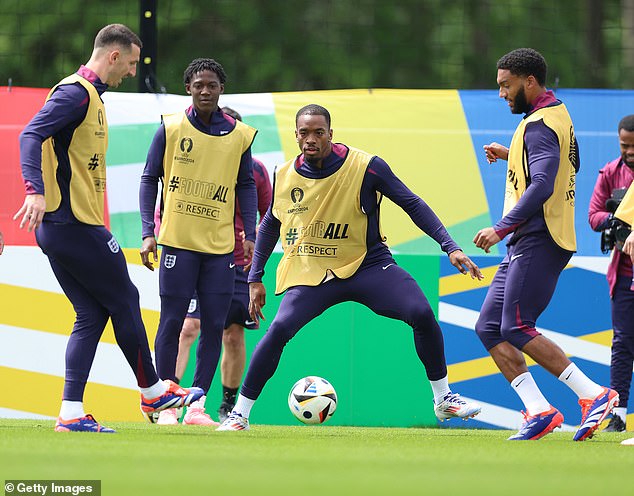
(613, 176)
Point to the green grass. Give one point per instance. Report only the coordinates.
(142, 459)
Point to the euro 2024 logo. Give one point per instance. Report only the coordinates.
(186, 145)
(297, 195)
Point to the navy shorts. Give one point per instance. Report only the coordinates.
(239, 310)
(520, 291)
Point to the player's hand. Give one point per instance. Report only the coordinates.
(628, 246)
(494, 151)
(149, 247)
(1, 243)
(465, 265)
(486, 238)
(248, 247)
(257, 299)
(32, 212)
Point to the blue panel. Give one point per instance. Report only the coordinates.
(461, 344)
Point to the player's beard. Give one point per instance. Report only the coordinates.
(520, 104)
(629, 162)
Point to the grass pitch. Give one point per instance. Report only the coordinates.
(143, 459)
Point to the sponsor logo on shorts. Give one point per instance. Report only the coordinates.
(516, 256)
(249, 322)
(113, 245)
(232, 265)
(170, 261)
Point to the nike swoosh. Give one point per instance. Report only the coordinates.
(249, 322)
(231, 265)
(516, 256)
(387, 266)
(517, 385)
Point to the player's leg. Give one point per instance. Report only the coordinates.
(215, 289)
(405, 301)
(233, 358)
(82, 344)
(189, 333)
(622, 350)
(92, 258)
(540, 417)
(300, 305)
(177, 279)
(232, 366)
(534, 269)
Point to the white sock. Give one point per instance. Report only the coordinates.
(199, 403)
(440, 389)
(154, 391)
(579, 382)
(243, 406)
(526, 388)
(621, 412)
(71, 410)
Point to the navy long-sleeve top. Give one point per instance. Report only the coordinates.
(221, 124)
(543, 151)
(59, 117)
(378, 178)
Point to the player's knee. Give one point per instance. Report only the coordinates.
(480, 328)
(421, 316)
(190, 330)
(233, 337)
(281, 333)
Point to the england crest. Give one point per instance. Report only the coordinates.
(170, 261)
(113, 245)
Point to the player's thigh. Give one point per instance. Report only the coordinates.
(178, 272)
(301, 304)
(534, 269)
(92, 256)
(390, 291)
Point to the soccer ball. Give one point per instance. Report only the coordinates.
(312, 400)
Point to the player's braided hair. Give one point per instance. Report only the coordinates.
(199, 65)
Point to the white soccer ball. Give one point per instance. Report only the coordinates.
(312, 400)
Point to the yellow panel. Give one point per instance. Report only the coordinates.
(54, 313)
(603, 337)
(458, 283)
(475, 369)
(106, 403)
(423, 136)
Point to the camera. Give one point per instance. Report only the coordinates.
(617, 231)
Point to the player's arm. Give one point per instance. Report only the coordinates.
(381, 178)
(598, 216)
(542, 147)
(67, 105)
(246, 194)
(268, 234)
(148, 189)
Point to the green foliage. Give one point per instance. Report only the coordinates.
(294, 46)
